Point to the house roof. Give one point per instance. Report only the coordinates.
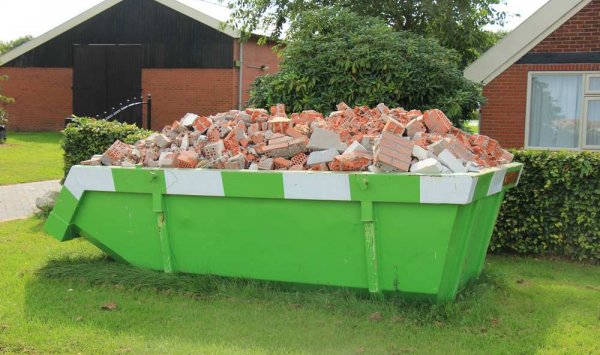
(193, 12)
(523, 39)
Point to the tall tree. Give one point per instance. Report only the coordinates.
(334, 55)
(456, 24)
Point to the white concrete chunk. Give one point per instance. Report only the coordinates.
(421, 153)
(427, 166)
(322, 156)
(189, 119)
(323, 139)
(356, 147)
(452, 162)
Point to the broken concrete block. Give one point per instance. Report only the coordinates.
(321, 156)
(265, 164)
(188, 120)
(167, 160)
(253, 167)
(375, 169)
(368, 142)
(427, 166)
(420, 153)
(162, 141)
(95, 160)
(439, 146)
(452, 162)
(355, 147)
(323, 139)
(236, 162)
(185, 142)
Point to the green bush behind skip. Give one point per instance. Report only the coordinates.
(334, 55)
(555, 209)
(87, 136)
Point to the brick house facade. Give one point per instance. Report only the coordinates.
(540, 81)
(43, 86)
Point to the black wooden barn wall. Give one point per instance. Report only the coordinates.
(169, 38)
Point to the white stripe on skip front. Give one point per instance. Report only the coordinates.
(89, 178)
(194, 182)
(304, 185)
(497, 181)
(453, 189)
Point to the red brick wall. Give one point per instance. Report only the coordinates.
(503, 116)
(43, 97)
(255, 56)
(581, 33)
(178, 91)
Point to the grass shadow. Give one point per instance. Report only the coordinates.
(103, 272)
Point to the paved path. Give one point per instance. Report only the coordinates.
(18, 201)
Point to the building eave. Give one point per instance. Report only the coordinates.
(103, 6)
(523, 39)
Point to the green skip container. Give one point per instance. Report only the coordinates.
(423, 236)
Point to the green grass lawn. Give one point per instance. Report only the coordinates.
(27, 157)
(52, 296)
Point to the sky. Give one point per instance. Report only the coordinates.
(34, 17)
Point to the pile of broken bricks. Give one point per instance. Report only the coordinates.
(376, 139)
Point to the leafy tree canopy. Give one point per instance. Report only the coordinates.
(456, 24)
(334, 55)
(6, 46)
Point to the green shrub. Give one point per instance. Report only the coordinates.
(555, 209)
(87, 136)
(334, 55)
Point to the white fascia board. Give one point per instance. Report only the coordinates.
(103, 6)
(523, 39)
(200, 17)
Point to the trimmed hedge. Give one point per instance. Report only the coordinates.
(555, 209)
(85, 137)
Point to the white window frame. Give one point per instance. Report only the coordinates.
(588, 78)
(584, 122)
(587, 95)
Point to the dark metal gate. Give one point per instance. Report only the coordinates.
(104, 76)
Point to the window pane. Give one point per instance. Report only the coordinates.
(555, 111)
(592, 136)
(594, 84)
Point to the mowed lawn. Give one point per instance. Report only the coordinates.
(52, 296)
(27, 157)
